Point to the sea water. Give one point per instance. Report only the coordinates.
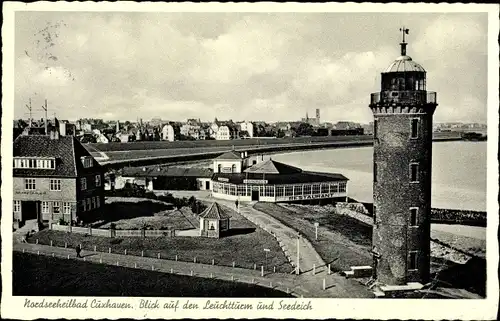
(458, 172)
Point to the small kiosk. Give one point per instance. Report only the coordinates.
(214, 221)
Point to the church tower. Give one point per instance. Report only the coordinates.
(402, 164)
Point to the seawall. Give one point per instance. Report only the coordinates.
(264, 146)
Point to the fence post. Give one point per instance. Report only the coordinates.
(116, 263)
(255, 266)
(262, 270)
(52, 254)
(274, 269)
(38, 252)
(314, 269)
(158, 255)
(23, 250)
(176, 257)
(50, 242)
(84, 258)
(36, 241)
(253, 281)
(194, 259)
(81, 246)
(109, 250)
(271, 285)
(211, 275)
(142, 253)
(65, 245)
(135, 265)
(324, 284)
(233, 264)
(191, 272)
(329, 270)
(213, 262)
(100, 260)
(95, 248)
(152, 267)
(232, 277)
(171, 270)
(68, 256)
(287, 291)
(125, 251)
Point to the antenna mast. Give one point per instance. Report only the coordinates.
(29, 108)
(46, 119)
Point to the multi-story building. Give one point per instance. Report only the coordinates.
(168, 133)
(55, 178)
(402, 162)
(224, 133)
(248, 127)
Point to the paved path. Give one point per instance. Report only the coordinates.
(310, 261)
(303, 285)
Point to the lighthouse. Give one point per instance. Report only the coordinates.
(402, 164)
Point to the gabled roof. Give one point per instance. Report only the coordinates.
(67, 151)
(215, 211)
(231, 155)
(272, 167)
(154, 171)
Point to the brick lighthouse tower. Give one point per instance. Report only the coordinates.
(402, 163)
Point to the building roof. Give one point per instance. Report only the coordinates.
(215, 211)
(279, 179)
(67, 151)
(155, 171)
(272, 167)
(403, 64)
(231, 155)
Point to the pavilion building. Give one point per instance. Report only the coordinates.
(239, 177)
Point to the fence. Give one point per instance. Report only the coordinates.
(289, 289)
(113, 233)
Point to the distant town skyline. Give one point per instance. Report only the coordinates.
(255, 66)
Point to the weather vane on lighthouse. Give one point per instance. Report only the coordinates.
(404, 31)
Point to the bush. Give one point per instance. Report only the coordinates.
(62, 221)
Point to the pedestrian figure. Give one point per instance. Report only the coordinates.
(236, 203)
(78, 250)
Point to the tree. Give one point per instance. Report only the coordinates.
(304, 129)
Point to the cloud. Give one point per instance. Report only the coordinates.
(240, 65)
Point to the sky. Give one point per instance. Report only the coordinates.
(240, 66)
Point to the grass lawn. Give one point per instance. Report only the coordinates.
(245, 246)
(46, 276)
(344, 243)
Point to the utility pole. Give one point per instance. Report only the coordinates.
(46, 120)
(29, 108)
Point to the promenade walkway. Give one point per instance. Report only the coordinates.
(300, 286)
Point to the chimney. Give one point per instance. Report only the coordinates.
(242, 155)
(246, 154)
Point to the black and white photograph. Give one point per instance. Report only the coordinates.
(223, 161)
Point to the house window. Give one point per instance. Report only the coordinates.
(233, 168)
(56, 207)
(55, 184)
(316, 189)
(29, 184)
(307, 189)
(280, 191)
(219, 168)
(87, 161)
(413, 260)
(67, 208)
(414, 172)
(98, 180)
(89, 204)
(93, 202)
(288, 190)
(334, 188)
(414, 216)
(83, 182)
(98, 201)
(414, 128)
(342, 187)
(84, 205)
(17, 206)
(45, 207)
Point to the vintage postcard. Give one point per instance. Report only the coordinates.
(164, 160)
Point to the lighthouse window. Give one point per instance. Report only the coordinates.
(374, 214)
(413, 260)
(414, 172)
(413, 216)
(414, 128)
(375, 128)
(375, 172)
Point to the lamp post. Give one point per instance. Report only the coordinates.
(265, 262)
(298, 253)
